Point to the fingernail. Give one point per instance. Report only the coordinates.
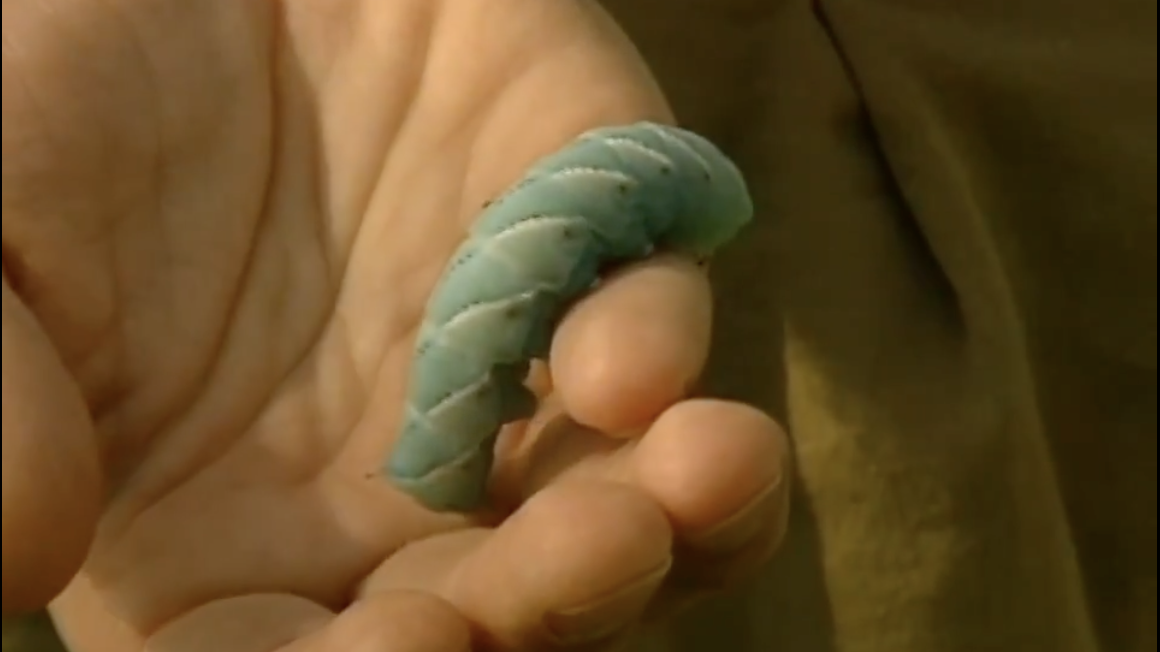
(606, 616)
(740, 528)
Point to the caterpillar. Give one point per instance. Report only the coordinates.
(615, 194)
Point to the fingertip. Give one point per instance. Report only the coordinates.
(632, 348)
(720, 470)
(708, 460)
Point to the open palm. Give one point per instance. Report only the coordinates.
(221, 223)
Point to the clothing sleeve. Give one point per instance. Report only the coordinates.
(950, 297)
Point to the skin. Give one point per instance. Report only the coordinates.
(221, 223)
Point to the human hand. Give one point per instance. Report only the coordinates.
(221, 222)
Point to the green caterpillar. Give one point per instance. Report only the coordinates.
(615, 194)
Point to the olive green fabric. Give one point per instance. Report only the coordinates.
(30, 635)
(951, 295)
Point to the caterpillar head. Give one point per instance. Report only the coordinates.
(722, 211)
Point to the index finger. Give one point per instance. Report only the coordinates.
(630, 350)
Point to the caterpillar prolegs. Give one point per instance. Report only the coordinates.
(615, 194)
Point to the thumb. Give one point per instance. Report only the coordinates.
(51, 475)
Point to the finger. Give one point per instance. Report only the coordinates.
(51, 476)
(635, 346)
(251, 623)
(576, 566)
(716, 468)
(391, 622)
(397, 622)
